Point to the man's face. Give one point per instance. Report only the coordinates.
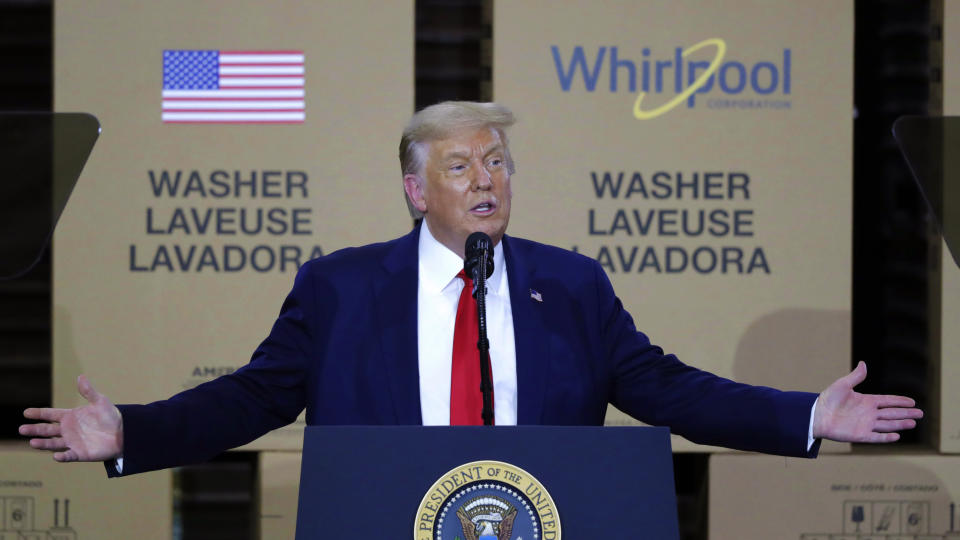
(465, 187)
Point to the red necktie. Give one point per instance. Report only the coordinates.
(466, 399)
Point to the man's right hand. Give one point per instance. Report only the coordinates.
(92, 432)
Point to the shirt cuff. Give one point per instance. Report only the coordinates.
(810, 439)
(118, 462)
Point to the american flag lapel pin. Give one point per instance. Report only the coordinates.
(536, 296)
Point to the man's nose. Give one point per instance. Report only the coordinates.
(482, 180)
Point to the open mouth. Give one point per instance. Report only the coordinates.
(484, 208)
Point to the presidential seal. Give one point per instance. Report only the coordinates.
(487, 500)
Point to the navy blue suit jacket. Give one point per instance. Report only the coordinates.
(345, 347)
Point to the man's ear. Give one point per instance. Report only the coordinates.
(413, 185)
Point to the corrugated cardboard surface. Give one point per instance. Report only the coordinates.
(143, 331)
(787, 328)
(834, 497)
(949, 438)
(279, 492)
(42, 499)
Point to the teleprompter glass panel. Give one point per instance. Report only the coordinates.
(931, 146)
(41, 156)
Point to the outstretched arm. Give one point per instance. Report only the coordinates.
(848, 416)
(92, 432)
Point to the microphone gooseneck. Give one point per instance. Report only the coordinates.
(478, 264)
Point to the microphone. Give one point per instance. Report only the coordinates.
(478, 264)
(478, 250)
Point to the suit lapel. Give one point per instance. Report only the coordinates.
(396, 314)
(528, 333)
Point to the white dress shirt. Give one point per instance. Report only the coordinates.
(438, 293)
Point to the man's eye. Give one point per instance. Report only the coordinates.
(458, 167)
(496, 162)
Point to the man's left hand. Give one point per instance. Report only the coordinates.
(848, 416)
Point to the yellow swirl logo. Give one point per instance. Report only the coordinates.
(721, 46)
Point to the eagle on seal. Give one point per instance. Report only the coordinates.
(484, 530)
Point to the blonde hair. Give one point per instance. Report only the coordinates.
(442, 120)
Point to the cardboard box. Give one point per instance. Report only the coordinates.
(44, 500)
(852, 497)
(946, 351)
(143, 331)
(946, 340)
(786, 325)
(279, 492)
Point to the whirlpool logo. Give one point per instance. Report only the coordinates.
(677, 79)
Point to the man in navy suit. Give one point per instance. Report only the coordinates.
(366, 334)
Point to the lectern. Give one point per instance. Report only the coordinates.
(480, 483)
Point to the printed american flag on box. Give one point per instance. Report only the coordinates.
(245, 87)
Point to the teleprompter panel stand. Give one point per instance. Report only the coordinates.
(480, 483)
